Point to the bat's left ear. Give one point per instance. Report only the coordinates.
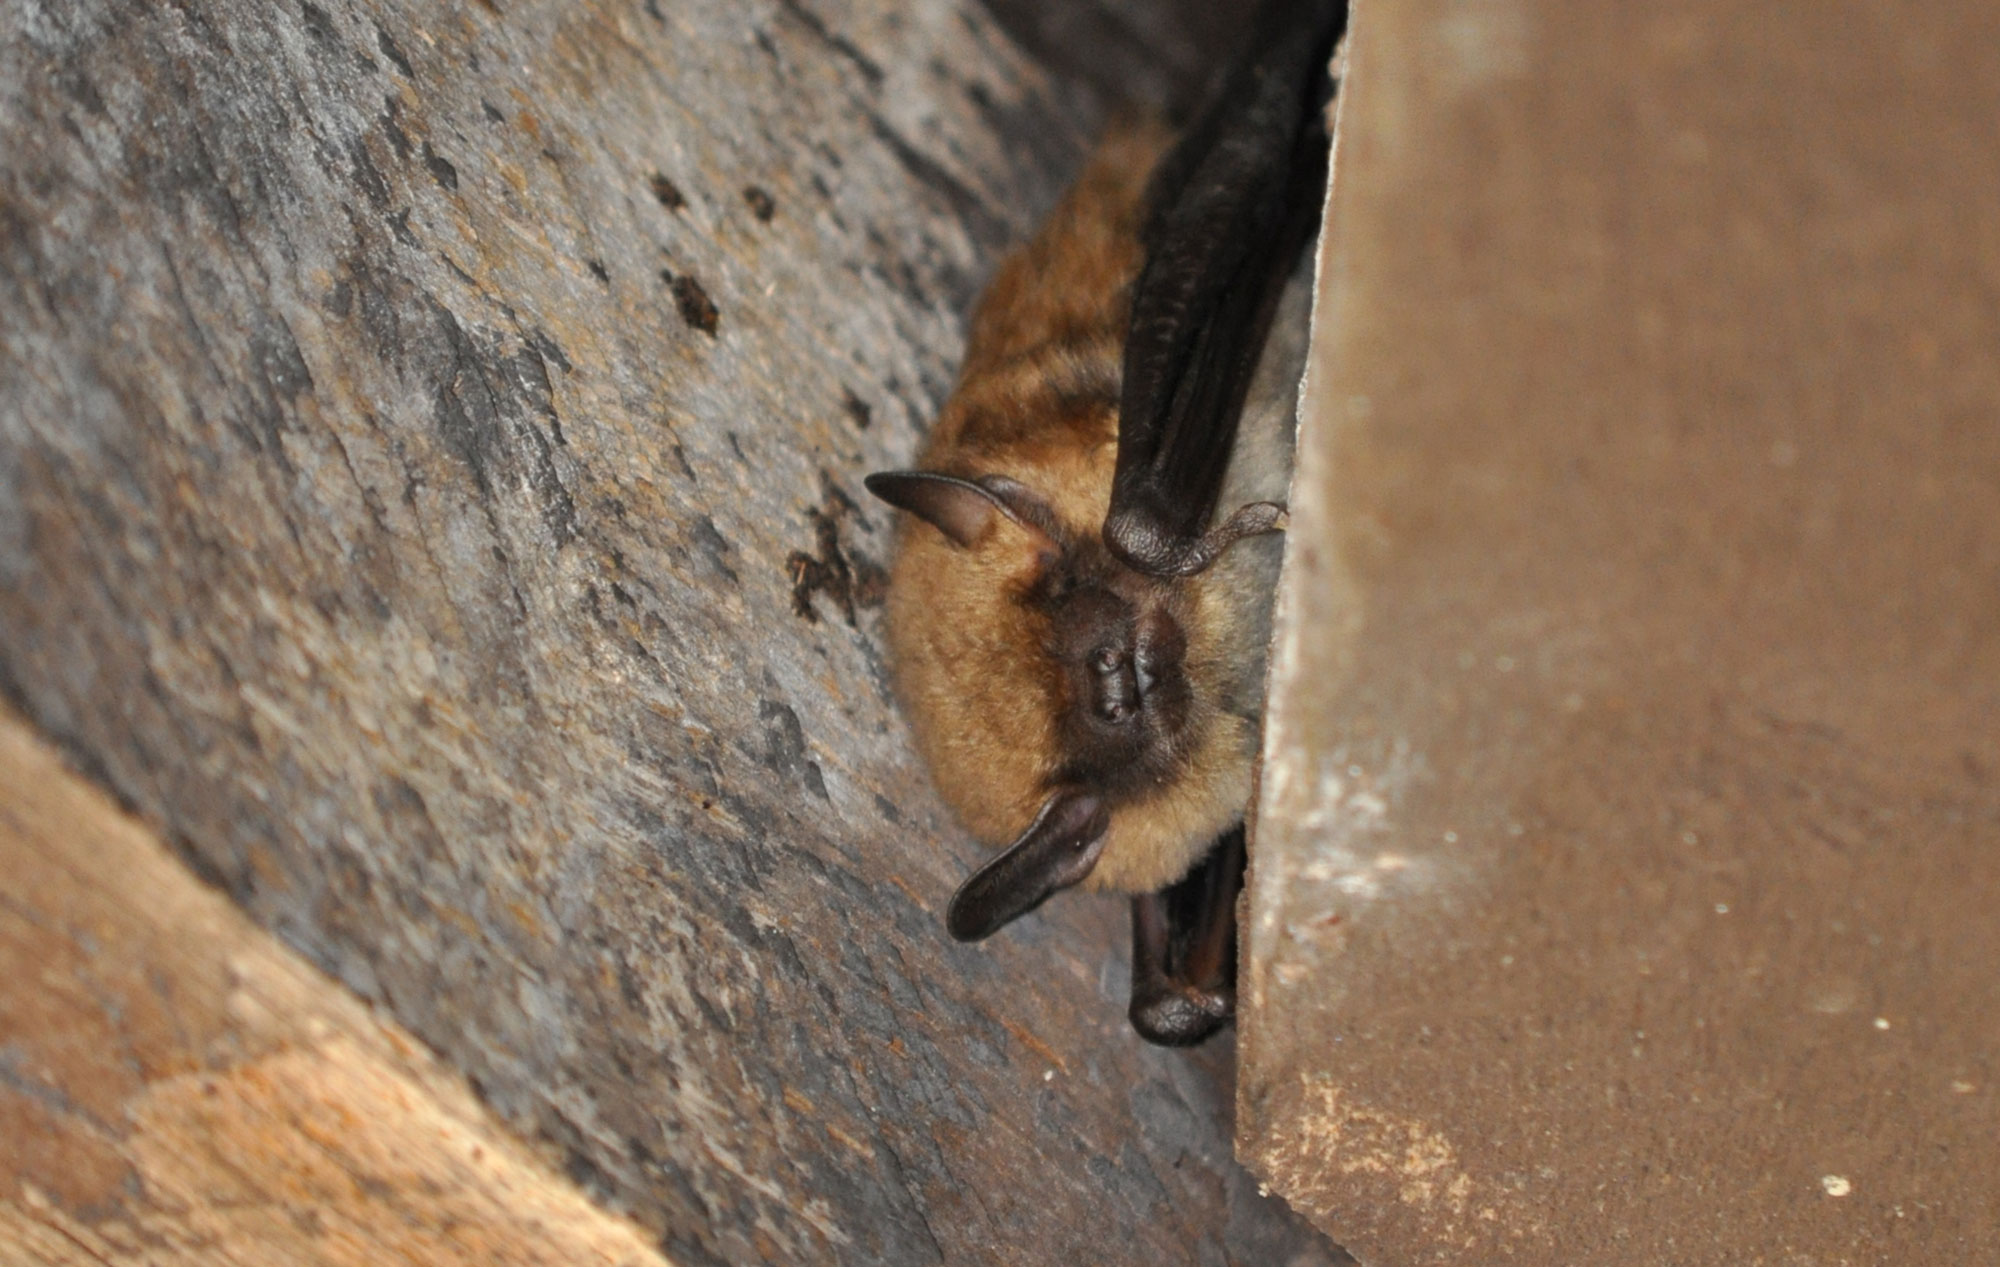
(959, 508)
(1059, 848)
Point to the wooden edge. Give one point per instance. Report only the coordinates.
(176, 1086)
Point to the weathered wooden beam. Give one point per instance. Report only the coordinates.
(430, 444)
(1625, 878)
(178, 1088)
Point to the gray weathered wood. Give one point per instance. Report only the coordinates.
(430, 442)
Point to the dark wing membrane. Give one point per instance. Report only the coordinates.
(1232, 205)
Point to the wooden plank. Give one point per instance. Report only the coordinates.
(1624, 888)
(430, 456)
(177, 1087)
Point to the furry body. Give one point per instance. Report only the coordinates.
(976, 634)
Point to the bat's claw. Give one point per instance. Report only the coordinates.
(1133, 539)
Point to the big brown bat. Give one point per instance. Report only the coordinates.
(1078, 633)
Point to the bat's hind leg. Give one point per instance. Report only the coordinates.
(1184, 951)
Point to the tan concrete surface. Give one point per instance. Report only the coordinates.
(1629, 854)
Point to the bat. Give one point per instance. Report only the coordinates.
(1080, 602)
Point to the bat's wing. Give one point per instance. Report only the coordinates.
(1232, 205)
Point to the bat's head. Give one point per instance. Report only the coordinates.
(1070, 707)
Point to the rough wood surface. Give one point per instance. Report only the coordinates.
(178, 1088)
(430, 443)
(1625, 884)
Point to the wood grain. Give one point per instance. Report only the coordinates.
(178, 1088)
(415, 421)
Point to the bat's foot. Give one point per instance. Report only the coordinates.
(1181, 1016)
(1184, 951)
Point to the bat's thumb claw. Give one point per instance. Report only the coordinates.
(1139, 544)
(1253, 520)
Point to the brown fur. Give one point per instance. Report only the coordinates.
(1037, 401)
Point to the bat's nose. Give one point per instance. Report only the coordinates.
(1117, 686)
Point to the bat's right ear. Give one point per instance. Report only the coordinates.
(1059, 848)
(959, 508)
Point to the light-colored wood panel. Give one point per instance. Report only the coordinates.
(176, 1087)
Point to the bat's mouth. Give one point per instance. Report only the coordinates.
(1145, 676)
(1157, 651)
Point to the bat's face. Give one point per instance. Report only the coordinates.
(1117, 642)
(1035, 666)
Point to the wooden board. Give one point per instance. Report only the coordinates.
(178, 1088)
(430, 456)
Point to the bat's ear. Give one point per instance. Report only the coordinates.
(1058, 849)
(959, 508)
